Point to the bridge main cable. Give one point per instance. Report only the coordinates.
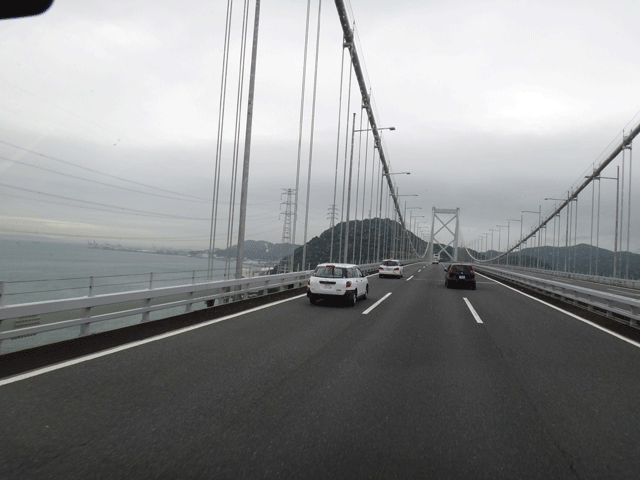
(366, 100)
(626, 141)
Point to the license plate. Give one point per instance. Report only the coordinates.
(461, 277)
(327, 287)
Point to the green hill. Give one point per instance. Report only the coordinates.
(369, 241)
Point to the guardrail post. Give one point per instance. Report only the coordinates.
(1, 294)
(151, 281)
(85, 327)
(189, 305)
(193, 278)
(91, 286)
(145, 314)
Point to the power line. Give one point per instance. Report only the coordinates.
(66, 162)
(101, 204)
(98, 182)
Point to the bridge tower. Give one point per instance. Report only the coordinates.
(436, 245)
(286, 229)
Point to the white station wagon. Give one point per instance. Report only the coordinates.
(338, 281)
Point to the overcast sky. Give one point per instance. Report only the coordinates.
(112, 112)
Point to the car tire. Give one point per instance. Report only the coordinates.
(446, 284)
(352, 298)
(366, 292)
(473, 286)
(313, 300)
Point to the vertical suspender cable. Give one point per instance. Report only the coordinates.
(355, 218)
(575, 238)
(221, 107)
(629, 213)
(313, 117)
(621, 209)
(593, 193)
(244, 192)
(373, 169)
(346, 235)
(379, 190)
(598, 229)
(304, 78)
(236, 139)
(364, 192)
(346, 150)
(335, 180)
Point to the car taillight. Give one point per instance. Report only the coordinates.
(380, 268)
(395, 269)
(308, 281)
(348, 283)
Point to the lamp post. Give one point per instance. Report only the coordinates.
(486, 244)
(492, 230)
(401, 246)
(615, 243)
(566, 253)
(411, 228)
(520, 247)
(539, 212)
(500, 227)
(353, 134)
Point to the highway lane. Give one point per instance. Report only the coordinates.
(415, 388)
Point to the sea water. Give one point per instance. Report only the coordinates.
(34, 271)
(38, 271)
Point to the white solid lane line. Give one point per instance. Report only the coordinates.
(473, 310)
(376, 304)
(409, 278)
(584, 320)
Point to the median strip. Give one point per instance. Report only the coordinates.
(473, 310)
(376, 304)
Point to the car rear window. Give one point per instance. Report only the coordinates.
(389, 263)
(330, 272)
(461, 269)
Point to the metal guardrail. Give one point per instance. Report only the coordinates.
(615, 282)
(38, 317)
(150, 304)
(617, 307)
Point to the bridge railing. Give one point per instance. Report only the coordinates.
(67, 318)
(616, 282)
(618, 307)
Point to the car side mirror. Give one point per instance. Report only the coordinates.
(24, 8)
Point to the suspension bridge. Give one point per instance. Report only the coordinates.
(233, 375)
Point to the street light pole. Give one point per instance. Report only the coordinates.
(492, 230)
(500, 227)
(539, 212)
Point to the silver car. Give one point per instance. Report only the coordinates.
(337, 281)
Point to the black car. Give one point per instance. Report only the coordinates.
(459, 274)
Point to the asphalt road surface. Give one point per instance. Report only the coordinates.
(424, 385)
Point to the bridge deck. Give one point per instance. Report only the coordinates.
(415, 388)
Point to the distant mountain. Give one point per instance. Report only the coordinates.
(259, 250)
